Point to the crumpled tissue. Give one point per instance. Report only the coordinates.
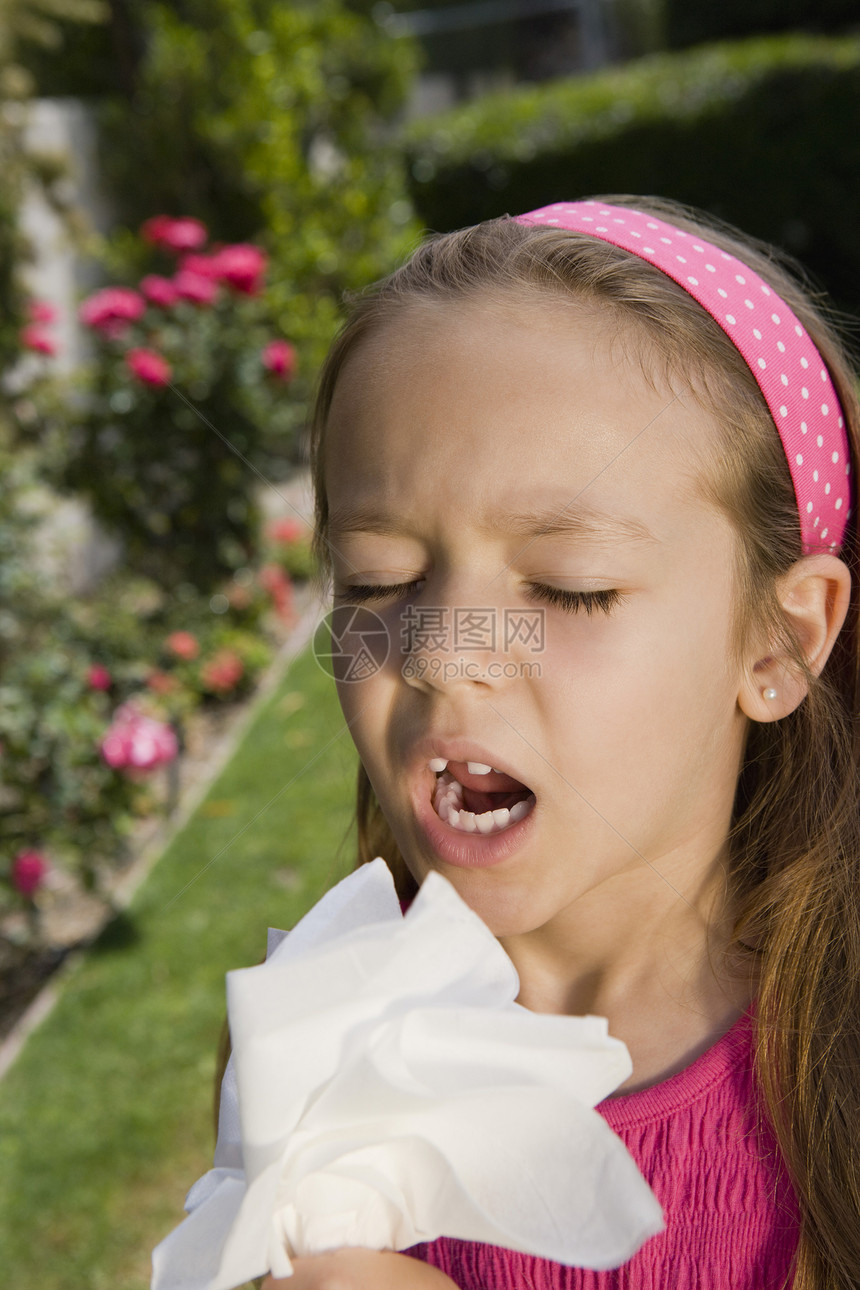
(385, 1089)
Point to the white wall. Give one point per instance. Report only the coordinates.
(69, 547)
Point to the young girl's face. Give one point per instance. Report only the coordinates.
(458, 436)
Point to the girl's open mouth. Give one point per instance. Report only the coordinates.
(474, 798)
(471, 815)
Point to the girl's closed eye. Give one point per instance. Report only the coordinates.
(572, 601)
(360, 593)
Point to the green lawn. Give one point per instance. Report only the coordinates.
(106, 1118)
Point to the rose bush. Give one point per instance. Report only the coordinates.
(94, 713)
(163, 429)
(96, 697)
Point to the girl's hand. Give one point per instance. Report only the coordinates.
(354, 1269)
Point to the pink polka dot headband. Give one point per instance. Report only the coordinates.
(788, 368)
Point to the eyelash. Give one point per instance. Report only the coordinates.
(571, 601)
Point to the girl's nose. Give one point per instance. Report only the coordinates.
(452, 642)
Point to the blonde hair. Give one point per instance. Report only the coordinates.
(794, 874)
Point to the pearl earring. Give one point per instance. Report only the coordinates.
(770, 693)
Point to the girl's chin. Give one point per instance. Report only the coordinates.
(508, 911)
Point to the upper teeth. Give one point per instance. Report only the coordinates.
(438, 764)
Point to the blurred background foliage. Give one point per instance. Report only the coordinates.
(290, 123)
(268, 121)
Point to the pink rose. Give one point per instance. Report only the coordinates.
(112, 310)
(42, 311)
(148, 366)
(223, 672)
(35, 337)
(184, 234)
(204, 265)
(286, 530)
(156, 228)
(152, 744)
(183, 645)
(98, 677)
(242, 265)
(114, 746)
(158, 291)
(29, 869)
(279, 356)
(137, 742)
(194, 287)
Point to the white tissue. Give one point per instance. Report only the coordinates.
(385, 1088)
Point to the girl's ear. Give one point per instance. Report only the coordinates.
(814, 594)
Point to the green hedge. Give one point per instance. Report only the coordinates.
(764, 133)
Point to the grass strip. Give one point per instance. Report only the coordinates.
(106, 1117)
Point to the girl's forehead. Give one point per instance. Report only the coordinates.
(482, 398)
(521, 327)
(517, 331)
(519, 310)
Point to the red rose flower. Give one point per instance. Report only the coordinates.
(162, 682)
(204, 265)
(155, 229)
(112, 310)
(223, 672)
(148, 366)
(286, 530)
(279, 356)
(42, 311)
(194, 287)
(184, 234)
(158, 291)
(183, 645)
(34, 337)
(242, 265)
(29, 869)
(98, 677)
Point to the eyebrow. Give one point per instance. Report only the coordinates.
(524, 524)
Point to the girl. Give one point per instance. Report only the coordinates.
(591, 467)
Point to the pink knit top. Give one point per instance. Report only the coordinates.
(730, 1212)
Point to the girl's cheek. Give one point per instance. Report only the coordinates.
(586, 647)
